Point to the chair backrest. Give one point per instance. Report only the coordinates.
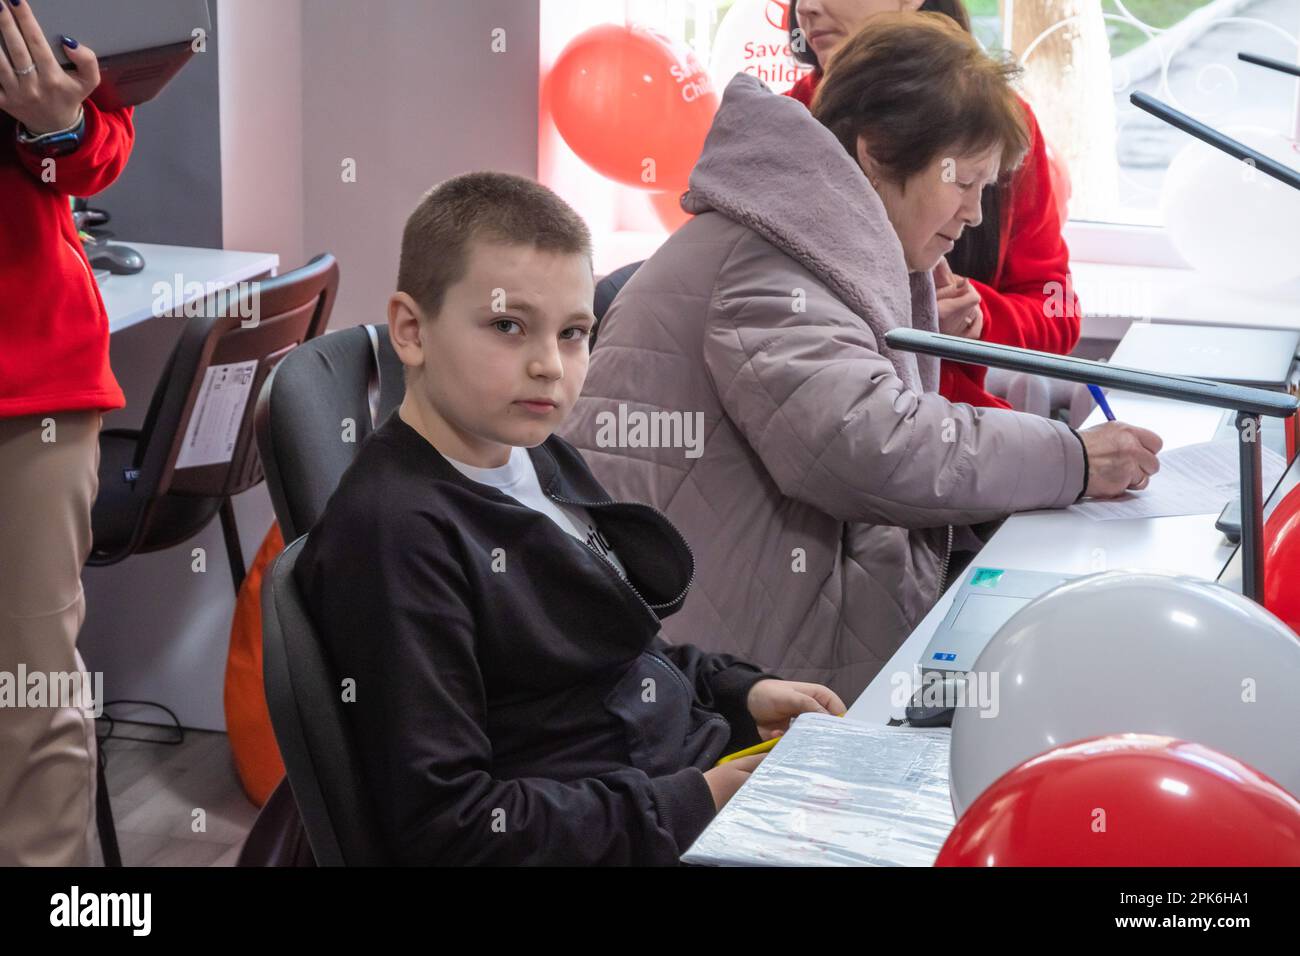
(313, 414)
(220, 361)
(304, 699)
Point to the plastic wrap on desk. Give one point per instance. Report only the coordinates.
(836, 792)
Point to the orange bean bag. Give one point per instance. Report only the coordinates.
(257, 758)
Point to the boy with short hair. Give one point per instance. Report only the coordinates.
(497, 611)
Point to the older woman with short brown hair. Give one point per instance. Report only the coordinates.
(1007, 280)
(834, 482)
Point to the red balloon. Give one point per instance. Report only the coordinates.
(623, 96)
(1282, 560)
(668, 207)
(1128, 800)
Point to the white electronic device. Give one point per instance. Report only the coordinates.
(986, 599)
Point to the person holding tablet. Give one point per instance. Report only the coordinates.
(55, 385)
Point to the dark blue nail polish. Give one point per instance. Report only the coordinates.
(70, 43)
(15, 2)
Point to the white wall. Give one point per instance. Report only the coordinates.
(261, 126)
(409, 89)
(412, 91)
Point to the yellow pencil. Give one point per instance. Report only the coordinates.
(762, 748)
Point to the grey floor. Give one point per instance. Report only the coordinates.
(156, 790)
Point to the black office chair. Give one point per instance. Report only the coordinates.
(348, 381)
(607, 289)
(350, 378)
(322, 763)
(145, 501)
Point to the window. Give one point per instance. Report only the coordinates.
(1183, 52)
(1082, 60)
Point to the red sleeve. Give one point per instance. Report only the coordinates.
(1032, 304)
(804, 88)
(98, 161)
(965, 383)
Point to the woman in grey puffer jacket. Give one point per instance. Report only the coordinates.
(828, 482)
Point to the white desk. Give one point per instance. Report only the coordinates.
(130, 299)
(1069, 543)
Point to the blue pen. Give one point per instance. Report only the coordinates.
(1100, 396)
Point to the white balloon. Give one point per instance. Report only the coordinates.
(750, 40)
(1231, 222)
(1134, 652)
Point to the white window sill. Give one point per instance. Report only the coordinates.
(1119, 244)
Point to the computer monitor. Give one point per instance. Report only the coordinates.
(141, 44)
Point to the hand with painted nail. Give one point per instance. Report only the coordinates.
(35, 89)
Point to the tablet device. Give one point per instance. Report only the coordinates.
(986, 599)
(141, 44)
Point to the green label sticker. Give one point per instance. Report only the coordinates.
(986, 577)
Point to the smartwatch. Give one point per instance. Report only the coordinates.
(61, 142)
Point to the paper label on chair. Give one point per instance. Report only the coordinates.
(214, 425)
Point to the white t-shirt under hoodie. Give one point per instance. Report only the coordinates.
(518, 479)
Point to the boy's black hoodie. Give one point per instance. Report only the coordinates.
(513, 700)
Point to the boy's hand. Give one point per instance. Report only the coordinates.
(34, 87)
(724, 781)
(774, 703)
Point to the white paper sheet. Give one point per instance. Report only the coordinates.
(837, 792)
(218, 413)
(1192, 480)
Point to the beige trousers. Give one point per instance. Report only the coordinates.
(48, 482)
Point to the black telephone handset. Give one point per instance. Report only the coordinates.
(1230, 521)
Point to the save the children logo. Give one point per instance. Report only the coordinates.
(76, 909)
(778, 14)
(754, 38)
(691, 79)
